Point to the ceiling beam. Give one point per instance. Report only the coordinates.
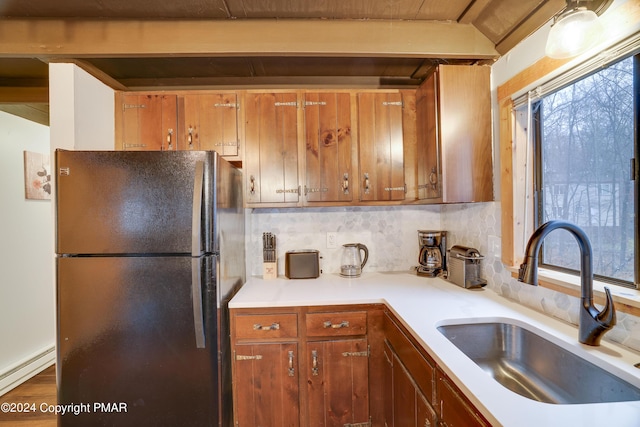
(49, 39)
(20, 94)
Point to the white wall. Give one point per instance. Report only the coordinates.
(27, 298)
(81, 110)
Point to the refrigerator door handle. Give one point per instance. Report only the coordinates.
(196, 214)
(196, 237)
(196, 292)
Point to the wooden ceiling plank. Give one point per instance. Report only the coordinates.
(529, 25)
(110, 38)
(474, 10)
(22, 94)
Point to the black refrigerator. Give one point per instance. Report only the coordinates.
(150, 249)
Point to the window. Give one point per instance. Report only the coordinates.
(585, 140)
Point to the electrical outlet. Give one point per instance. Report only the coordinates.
(494, 246)
(332, 240)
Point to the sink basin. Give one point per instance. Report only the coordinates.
(536, 368)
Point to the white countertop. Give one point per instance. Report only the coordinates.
(423, 304)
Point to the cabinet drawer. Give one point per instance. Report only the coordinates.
(336, 324)
(264, 326)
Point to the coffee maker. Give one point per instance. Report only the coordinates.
(433, 249)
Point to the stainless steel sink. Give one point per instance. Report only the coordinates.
(536, 368)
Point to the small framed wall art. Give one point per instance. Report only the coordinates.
(37, 176)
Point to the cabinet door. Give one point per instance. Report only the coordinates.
(211, 123)
(271, 152)
(428, 141)
(387, 374)
(327, 121)
(380, 147)
(337, 382)
(404, 396)
(425, 415)
(465, 98)
(149, 122)
(454, 409)
(266, 385)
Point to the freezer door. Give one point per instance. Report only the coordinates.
(118, 202)
(126, 335)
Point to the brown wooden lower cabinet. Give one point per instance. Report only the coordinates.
(306, 366)
(455, 409)
(266, 385)
(421, 394)
(340, 366)
(338, 383)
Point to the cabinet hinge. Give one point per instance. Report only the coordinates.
(286, 104)
(358, 353)
(393, 103)
(309, 103)
(125, 106)
(228, 104)
(227, 144)
(256, 357)
(367, 424)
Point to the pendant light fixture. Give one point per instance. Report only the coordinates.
(575, 29)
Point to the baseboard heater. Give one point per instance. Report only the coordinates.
(16, 375)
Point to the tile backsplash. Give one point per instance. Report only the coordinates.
(390, 233)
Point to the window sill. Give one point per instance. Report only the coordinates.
(625, 299)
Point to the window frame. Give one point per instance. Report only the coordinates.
(538, 182)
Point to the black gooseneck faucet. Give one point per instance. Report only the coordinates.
(593, 323)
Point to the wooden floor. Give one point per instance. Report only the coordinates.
(39, 390)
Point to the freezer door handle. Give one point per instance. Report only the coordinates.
(196, 214)
(196, 292)
(196, 249)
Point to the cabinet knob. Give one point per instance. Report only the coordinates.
(345, 183)
(291, 368)
(343, 324)
(314, 362)
(170, 139)
(252, 185)
(272, 327)
(433, 179)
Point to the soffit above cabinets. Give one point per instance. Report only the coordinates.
(150, 44)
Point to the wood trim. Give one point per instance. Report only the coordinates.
(506, 181)
(51, 38)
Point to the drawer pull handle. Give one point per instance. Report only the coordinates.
(291, 369)
(343, 324)
(272, 327)
(256, 357)
(314, 363)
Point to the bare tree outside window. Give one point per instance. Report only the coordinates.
(587, 141)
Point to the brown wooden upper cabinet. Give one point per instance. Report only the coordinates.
(328, 147)
(454, 155)
(271, 148)
(380, 147)
(148, 122)
(210, 123)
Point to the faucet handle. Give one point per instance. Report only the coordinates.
(608, 314)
